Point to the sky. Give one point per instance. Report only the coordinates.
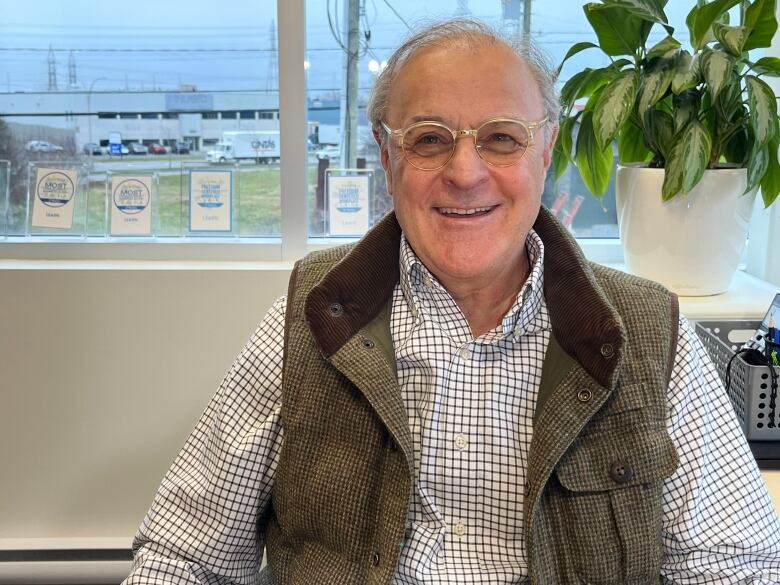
(226, 44)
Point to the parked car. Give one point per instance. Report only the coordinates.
(124, 150)
(329, 151)
(92, 148)
(180, 148)
(137, 148)
(157, 148)
(42, 146)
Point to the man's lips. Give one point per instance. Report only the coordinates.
(458, 212)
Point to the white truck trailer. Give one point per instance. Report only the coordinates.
(260, 146)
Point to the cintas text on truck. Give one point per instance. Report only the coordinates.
(260, 146)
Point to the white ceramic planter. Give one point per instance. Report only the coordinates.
(691, 244)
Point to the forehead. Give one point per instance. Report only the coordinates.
(465, 82)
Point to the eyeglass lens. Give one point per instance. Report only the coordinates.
(499, 143)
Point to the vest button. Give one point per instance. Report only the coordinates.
(607, 350)
(584, 395)
(368, 344)
(336, 310)
(621, 472)
(375, 559)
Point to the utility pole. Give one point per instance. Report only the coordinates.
(271, 80)
(349, 102)
(527, 18)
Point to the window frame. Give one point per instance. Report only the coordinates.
(295, 241)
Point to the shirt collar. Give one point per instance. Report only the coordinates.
(421, 290)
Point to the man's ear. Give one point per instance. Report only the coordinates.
(384, 158)
(549, 145)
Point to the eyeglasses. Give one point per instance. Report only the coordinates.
(500, 142)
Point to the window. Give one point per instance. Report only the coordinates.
(202, 70)
(110, 97)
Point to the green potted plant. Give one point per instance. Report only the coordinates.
(691, 119)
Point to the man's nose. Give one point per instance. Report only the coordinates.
(466, 168)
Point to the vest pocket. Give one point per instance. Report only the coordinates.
(609, 492)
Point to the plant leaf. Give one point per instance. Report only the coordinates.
(666, 47)
(673, 171)
(701, 18)
(686, 72)
(697, 145)
(593, 162)
(716, 68)
(766, 66)
(562, 151)
(763, 109)
(645, 9)
(657, 78)
(770, 182)
(583, 84)
(760, 18)
(614, 106)
(731, 37)
(659, 132)
(756, 167)
(728, 99)
(631, 145)
(576, 48)
(685, 106)
(737, 149)
(619, 32)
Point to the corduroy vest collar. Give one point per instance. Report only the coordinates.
(362, 282)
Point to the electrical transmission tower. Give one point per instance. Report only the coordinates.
(463, 8)
(52, 70)
(516, 17)
(72, 82)
(272, 78)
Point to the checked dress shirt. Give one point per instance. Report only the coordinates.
(470, 404)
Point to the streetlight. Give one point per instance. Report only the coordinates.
(376, 67)
(89, 107)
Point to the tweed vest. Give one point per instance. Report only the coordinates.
(599, 452)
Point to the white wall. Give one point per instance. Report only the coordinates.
(102, 375)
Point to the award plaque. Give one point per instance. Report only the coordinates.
(349, 201)
(211, 201)
(130, 200)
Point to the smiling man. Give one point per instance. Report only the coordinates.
(461, 397)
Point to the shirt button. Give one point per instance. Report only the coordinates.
(607, 350)
(461, 441)
(460, 529)
(464, 353)
(428, 281)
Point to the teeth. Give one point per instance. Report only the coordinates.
(456, 211)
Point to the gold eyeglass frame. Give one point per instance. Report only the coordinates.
(530, 126)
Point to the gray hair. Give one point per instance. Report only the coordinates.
(448, 33)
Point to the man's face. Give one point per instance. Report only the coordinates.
(463, 86)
